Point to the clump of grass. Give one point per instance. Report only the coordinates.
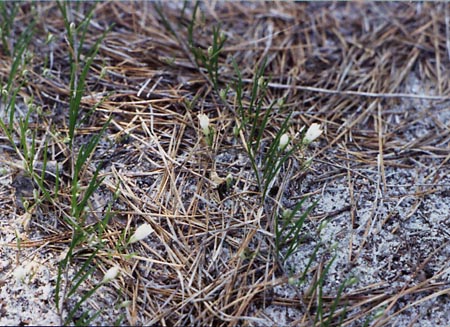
(30, 150)
(253, 122)
(17, 74)
(254, 117)
(79, 69)
(14, 124)
(288, 228)
(267, 162)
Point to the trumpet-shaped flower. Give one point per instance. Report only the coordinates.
(312, 133)
(204, 123)
(112, 273)
(284, 140)
(141, 232)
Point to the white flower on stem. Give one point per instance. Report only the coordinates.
(141, 232)
(312, 133)
(112, 273)
(284, 140)
(210, 51)
(204, 123)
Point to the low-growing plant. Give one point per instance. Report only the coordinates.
(17, 75)
(80, 195)
(254, 118)
(30, 150)
(288, 228)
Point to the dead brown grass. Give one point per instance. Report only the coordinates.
(210, 260)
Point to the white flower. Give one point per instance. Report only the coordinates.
(284, 140)
(312, 133)
(112, 273)
(141, 232)
(20, 273)
(210, 51)
(204, 123)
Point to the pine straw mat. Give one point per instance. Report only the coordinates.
(373, 251)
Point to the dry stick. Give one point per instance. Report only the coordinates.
(406, 70)
(426, 298)
(436, 51)
(352, 206)
(447, 30)
(369, 300)
(380, 148)
(356, 93)
(348, 128)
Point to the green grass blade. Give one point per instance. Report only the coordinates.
(83, 273)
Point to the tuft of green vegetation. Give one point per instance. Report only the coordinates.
(254, 118)
(80, 64)
(31, 151)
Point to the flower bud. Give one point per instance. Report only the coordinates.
(141, 232)
(261, 82)
(20, 273)
(210, 51)
(223, 94)
(204, 123)
(312, 133)
(112, 273)
(287, 213)
(281, 102)
(284, 140)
